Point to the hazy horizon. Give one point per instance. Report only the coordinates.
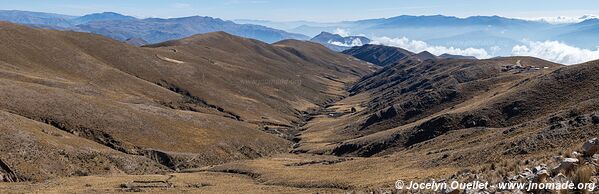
(311, 10)
(562, 19)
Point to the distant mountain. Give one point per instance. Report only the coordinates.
(339, 43)
(152, 30)
(564, 19)
(280, 25)
(490, 41)
(441, 20)
(584, 34)
(425, 55)
(106, 16)
(156, 30)
(450, 56)
(495, 34)
(36, 18)
(428, 27)
(136, 41)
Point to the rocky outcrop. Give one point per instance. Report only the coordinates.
(566, 166)
(382, 115)
(591, 147)
(580, 168)
(7, 174)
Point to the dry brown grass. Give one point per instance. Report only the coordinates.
(208, 110)
(78, 104)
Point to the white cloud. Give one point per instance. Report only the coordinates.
(556, 51)
(341, 32)
(563, 19)
(352, 43)
(419, 46)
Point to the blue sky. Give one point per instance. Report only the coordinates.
(311, 10)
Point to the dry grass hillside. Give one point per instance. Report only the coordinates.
(380, 55)
(413, 91)
(83, 99)
(483, 136)
(216, 113)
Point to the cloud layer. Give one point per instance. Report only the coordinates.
(555, 51)
(352, 43)
(549, 50)
(419, 46)
(564, 19)
(342, 32)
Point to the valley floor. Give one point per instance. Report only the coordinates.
(200, 182)
(288, 173)
(216, 113)
(285, 173)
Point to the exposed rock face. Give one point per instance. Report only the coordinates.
(595, 118)
(6, 173)
(379, 55)
(566, 166)
(382, 115)
(591, 147)
(514, 109)
(432, 129)
(474, 121)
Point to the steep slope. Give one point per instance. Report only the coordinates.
(290, 77)
(519, 116)
(176, 106)
(538, 113)
(387, 55)
(410, 92)
(36, 151)
(379, 55)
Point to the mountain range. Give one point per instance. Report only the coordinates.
(493, 33)
(483, 36)
(214, 112)
(151, 30)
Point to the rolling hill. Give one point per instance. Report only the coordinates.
(387, 55)
(220, 113)
(101, 106)
(412, 101)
